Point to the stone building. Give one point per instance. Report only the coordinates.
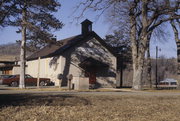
(86, 57)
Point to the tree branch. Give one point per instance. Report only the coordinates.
(162, 21)
(175, 31)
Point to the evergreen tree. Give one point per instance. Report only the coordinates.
(34, 20)
(120, 42)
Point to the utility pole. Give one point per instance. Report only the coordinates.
(39, 59)
(121, 72)
(156, 67)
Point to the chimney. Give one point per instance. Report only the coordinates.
(86, 27)
(52, 41)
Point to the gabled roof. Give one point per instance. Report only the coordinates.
(8, 58)
(50, 49)
(62, 45)
(86, 21)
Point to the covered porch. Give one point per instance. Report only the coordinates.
(91, 69)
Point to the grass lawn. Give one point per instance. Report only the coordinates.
(56, 107)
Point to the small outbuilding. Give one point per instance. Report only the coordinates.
(9, 65)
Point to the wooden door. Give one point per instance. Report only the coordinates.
(10, 72)
(92, 78)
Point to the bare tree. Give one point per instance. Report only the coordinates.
(176, 26)
(144, 16)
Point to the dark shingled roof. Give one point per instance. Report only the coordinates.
(50, 49)
(8, 58)
(63, 45)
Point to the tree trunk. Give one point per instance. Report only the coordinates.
(138, 44)
(176, 34)
(121, 77)
(137, 77)
(138, 64)
(178, 60)
(137, 67)
(23, 52)
(134, 46)
(149, 66)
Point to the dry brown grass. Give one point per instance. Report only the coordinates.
(163, 90)
(66, 89)
(34, 107)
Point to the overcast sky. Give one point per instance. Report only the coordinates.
(72, 27)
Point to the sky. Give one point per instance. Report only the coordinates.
(100, 26)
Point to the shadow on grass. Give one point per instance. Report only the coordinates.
(124, 87)
(41, 100)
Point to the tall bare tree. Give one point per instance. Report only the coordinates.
(176, 26)
(35, 21)
(144, 17)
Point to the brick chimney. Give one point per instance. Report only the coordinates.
(86, 27)
(53, 41)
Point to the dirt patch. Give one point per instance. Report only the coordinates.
(89, 108)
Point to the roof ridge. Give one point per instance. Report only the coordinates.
(55, 49)
(69, 37)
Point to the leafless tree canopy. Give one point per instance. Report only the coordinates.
(40, 21)
(143, 16)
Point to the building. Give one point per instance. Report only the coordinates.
(8, 65)
(86, 57)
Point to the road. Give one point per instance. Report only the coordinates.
(30, 90)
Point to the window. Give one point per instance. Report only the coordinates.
(89, 28)
(173, 83)
(28, 76)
